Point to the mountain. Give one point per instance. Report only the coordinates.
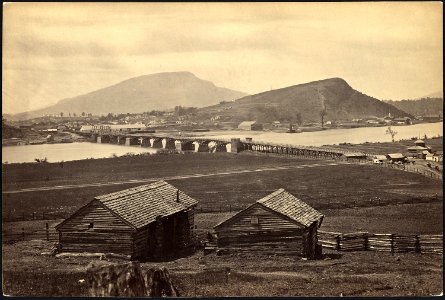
(438, 94)
(304, 103)
(422, 107)
(145, 93)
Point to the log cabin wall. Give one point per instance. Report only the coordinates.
(96, 229)
(142, 243)
(257, 230)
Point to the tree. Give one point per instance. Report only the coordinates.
(323, 113)
(83, 114)
(61, 114)
(299, 119)
(392, 132)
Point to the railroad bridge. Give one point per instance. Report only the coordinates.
(234, 145)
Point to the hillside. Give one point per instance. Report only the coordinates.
(304, 103)
(421, 107)
(145, 93)
(438, 94)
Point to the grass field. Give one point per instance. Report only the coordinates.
(352, 198)
(323, 187)
(27, 273)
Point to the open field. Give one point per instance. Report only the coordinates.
(352, 198)
(27, 273)
(28, 175)
(338, 186)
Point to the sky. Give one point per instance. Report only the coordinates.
(51, 51)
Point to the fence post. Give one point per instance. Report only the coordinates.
(47, 231)
(338, 239)
(23, 233)
(366, 242)
(392, 243)
(418, 249)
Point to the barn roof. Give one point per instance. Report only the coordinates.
(417, 148)
(246, 123)
(287, 205)
(139, 206)
(396, 155)
(290, 206)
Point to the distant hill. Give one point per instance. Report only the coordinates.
(145, 93)
(438, 94)
(304, 103)
(421, 107)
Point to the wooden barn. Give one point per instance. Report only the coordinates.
(151, 220)
(278, 223)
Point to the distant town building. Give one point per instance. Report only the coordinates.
(250, 125)
(403, 121)
(379, 159)
(396, 157)
(354, 156)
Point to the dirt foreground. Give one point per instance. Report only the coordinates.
(26, 272)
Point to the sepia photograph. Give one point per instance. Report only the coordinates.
(236, 149)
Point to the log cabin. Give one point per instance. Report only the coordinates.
(151, 220)
(277, 224)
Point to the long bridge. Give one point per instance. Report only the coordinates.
(233, 145)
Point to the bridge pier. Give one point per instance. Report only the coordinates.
(236, 145)
(103, 139)
(145, 142)
(129, 141)
(184, 145)
(201, 146)
(217, 147)
(93, 137)
(156, 142)
(168, 143)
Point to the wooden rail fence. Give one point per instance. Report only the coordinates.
(394, 243)
(48, 234)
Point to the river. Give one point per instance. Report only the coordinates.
(334, 136)
(77, 151)
(66, 152)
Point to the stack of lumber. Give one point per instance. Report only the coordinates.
(431, 243)
(380, 242)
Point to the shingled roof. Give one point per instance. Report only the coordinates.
(290, 206)
(139, 206)
(287, 205)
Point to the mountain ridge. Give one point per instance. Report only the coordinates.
(305, 102)
(156, 91)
